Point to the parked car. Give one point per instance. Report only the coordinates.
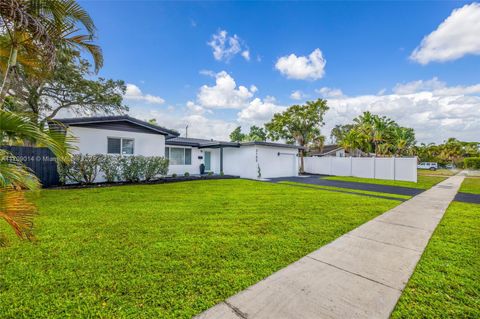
(428, 165)
(450, 166)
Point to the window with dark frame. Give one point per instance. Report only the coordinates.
(118, 145)
(178, 155)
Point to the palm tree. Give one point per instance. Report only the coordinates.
(352, 141)
(402, 138)
(50, 25)
(14, 176)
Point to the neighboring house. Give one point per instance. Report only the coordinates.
(331, 150)
(124, 135)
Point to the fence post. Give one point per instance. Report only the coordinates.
(351, 166)
(394, 177)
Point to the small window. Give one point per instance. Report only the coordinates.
(179, 156)
(127, 146)
(188, 156)
(124, 146)
(114, 145)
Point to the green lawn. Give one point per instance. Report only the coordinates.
(446, 281)
(424, 182)
(471, 185)
(441, 172)
(166, 251)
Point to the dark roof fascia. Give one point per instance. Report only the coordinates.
(270, 144)
(202, 145)
(122, 118)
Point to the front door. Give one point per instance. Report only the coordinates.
(208, 156)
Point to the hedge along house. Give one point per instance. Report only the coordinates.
(124, 135)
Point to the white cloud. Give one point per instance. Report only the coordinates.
(436, 112)
(417, 86)
(297, 95)
(311, 67)
(199, 126)
(259, 111)
(455, 37)
(329, 92)
(225, 47)
(134, 93)
(437, 87)
(225, 94)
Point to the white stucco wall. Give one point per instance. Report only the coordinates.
(246, 160)
(277, 161)
(240, 162)
(94, 141)
(194, 168)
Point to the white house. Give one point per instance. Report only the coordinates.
(124, 135)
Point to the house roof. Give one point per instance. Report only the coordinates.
(200, 143)
(203, 143)
(328, 149)
(271, 144)
(98, 121)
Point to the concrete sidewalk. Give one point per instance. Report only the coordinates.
(359, 275)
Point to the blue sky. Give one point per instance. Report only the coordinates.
(358, 55)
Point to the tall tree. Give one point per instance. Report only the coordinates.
(237, 135)
(339, 131)
(299, 124)
(69, 86)
(256, 134)
(56, 24)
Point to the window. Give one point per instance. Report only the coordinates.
(127, 146)
(124, 146)
(114, 146)
(178, 155)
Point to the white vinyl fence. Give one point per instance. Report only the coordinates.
(394, 168)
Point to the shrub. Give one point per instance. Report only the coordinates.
(186, 174)
(472, 162)
(82, 169)
(132, 168)
(109, 165)
(154, 166)
(174, 175)
(222, 173)
(210, 173)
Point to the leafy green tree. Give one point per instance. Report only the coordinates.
(70, 86)
(237, 135)
(339, 131)
(299, 124)
(34, 30)
(256, 134)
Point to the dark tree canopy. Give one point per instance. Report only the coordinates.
(70, 86)
(256, 134)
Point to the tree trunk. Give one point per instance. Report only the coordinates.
(12, 62)
(301, 162)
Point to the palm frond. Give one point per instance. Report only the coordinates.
(13, 125)
(13, 174)
(18, 212)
